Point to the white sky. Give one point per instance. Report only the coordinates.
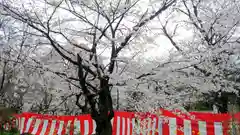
(161, 46)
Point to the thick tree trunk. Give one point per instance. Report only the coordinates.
(103, 121)
(101, 110)
(104, 128)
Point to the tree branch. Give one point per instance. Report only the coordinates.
(85, 90)
(142, 22)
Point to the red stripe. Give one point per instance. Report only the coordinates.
(65, 124)
(209, 118)
(195, 127)
(90, 121)
(146, 125)
(32, 125)
(165, 126)
(5, 126)
(13, 123)
(78, 128)
(151, 126)
(225, 125)
(154, 120)
(126, 125)
(40, 127)
(25, 124)
(48, 127)
(210, 128)
(180, 126)
(157, 130)
(131, 125)
(142, 124)
(114, 130)
(56, 128)
(82, 126)
(71, 127)
(120, 126)
(19, 122)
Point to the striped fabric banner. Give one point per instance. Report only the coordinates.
(125, 123)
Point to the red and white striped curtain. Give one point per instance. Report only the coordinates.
(126, 123)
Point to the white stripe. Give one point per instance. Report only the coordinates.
(17, 123)
(86, 127)
(77, 127)
(160, 122)
(36, 125)
(68, 127)
(218, 128)
(61, 123)
(187, 127)
(118, 125)
(44, 128)
(143, 130)
(202, 128)
(149, 128)
(128, 126)
(133, 124)
(52, 127)
(6, 126)
(94, 127)
(112, 121)
(154, 126)
(123, 126)
(172, 126)
(22, 125)
(28, 125)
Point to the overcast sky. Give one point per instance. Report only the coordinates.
(160, 45)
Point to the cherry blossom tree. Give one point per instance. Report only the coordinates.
(208, 56)
(79, 31)
(217, 25)
(10, 37)
(22, 80)
(204, 37)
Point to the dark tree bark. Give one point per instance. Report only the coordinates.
(101, 109)
(104, 112)
(106, 109)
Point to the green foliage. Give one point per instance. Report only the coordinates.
(199, 106)
(6, 116)
(8, 133)
(11, 132)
